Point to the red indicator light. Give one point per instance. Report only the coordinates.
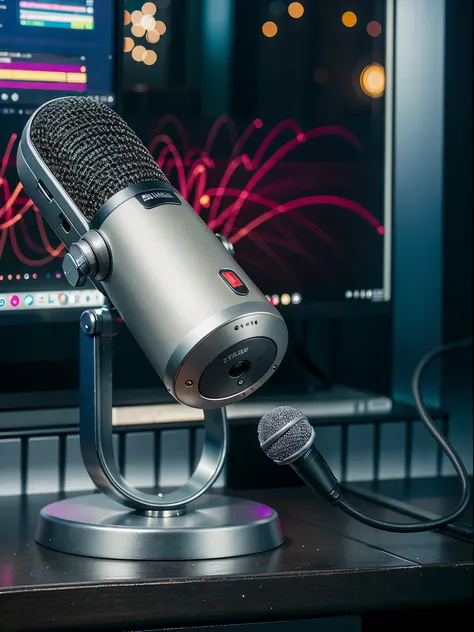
(232, 279)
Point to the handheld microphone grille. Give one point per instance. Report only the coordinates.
(91, 151)
(296, 434)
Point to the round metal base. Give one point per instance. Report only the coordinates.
(212, 527)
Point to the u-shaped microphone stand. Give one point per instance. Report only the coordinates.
(125, 523)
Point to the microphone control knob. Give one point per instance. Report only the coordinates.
(78, 264)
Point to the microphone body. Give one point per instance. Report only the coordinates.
(208, 331)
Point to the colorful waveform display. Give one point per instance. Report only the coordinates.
(30, 75)
(238, 199)
(58, 14)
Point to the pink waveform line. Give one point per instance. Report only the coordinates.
(8, 151)
(183, 136)
(234, 164)
(170, 147)
(312, 200)
(28, 240)
(240, 144)
(259, 199)
(251, 164)
(3, 239)
(26, 260)
(199, 176)
(54, 252)
(11, 199)
(221, 121)
(282, 126)
(13, 220)
(194, 151)
(277, 156)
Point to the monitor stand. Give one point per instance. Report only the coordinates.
(125, 523)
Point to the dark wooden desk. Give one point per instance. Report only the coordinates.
(330, 565)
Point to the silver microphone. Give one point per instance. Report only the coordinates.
(208, 331)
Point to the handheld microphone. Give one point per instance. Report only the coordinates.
(208, 331)
(287, 437)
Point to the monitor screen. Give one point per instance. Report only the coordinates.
(273, 119)
(47, 50)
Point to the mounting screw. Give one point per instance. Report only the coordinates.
(189, 383)
(89, 323)
(274, 367)
(240, 382)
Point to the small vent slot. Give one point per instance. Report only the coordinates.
(65, 225)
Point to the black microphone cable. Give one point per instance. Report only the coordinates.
(448, 449)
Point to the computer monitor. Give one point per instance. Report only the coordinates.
(274, 119)
(47, 50)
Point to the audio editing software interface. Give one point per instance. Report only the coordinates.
(47, 50)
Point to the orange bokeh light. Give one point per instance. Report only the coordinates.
(160, 27)
(128, 44)
(372, 80)
(269, 29)
(296, 10)
(349, 19)
(205, 201)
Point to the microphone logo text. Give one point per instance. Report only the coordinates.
(236, 354)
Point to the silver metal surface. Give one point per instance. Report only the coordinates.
(179, 309)
(215, 527)
(96, 427)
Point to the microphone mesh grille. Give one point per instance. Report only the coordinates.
(91, 151)
(292, 441)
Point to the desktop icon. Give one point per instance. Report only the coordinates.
(63, 299)
(14, 300)
(29, 300)
(2, 303)
(52, 300)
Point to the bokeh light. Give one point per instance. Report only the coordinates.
(269, 29)
(277, 7)
(205, 201)
(148, 22)
(349, 19)
(126, 18)
(150, 58)
(138, 53)
(374, 28)
(138, 30)
(149, 8)
(128, 44)
(285, 299)
(296, 10)
(372, 80)
(152, 36)
(321, 76)
(160, 27)
(136, 17)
